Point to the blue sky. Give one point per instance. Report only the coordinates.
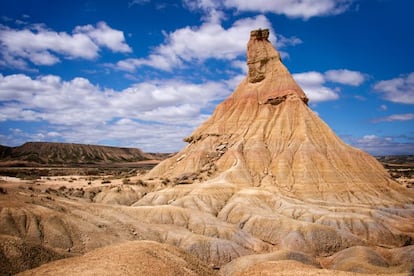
(145, 73)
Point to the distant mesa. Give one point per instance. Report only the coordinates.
(50, 153)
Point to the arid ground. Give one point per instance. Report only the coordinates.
(51, 213)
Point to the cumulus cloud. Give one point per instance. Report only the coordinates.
(397, 90)
(315, 87)
(78, 108)
(304, 9)
(388, 145)
(105, 36)
(208, 41)
(42, 46)
(212, 9)
(345, 76)
(395, 117)
(197, 44)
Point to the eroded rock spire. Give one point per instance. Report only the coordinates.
(265, 135)
(259, 52)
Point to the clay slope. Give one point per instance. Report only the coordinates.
(63, 224)
(214, 223)
(64, 153)
(133, 258)
(18, 255)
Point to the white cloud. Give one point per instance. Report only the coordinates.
(42, 46)
(103, 35)
(211, 9)
(398, 90)
(369, 137)
(388, 145)
(205, 5)
(43, 58)
(314, 83)
(304, 9)
(77, 109)
(197, 44)
(208, 41)
(396, 117)
(345, 76)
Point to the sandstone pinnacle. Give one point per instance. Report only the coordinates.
(265, 162)
(266, 67)
(265, 135)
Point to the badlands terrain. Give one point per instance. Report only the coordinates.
(264, 187)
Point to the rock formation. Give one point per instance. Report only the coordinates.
(264, 161)
(265, 135)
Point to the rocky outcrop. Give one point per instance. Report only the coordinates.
(264, 161)
(265, 135)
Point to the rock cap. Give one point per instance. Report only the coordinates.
(260, 34)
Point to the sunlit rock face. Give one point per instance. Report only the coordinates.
(259, 54)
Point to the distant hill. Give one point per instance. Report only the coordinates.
(48, 153)
(396, 159)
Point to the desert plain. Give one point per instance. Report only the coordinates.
(71, 199)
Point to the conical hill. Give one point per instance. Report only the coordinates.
(265, 135)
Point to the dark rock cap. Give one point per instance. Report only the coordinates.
(260, 34)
